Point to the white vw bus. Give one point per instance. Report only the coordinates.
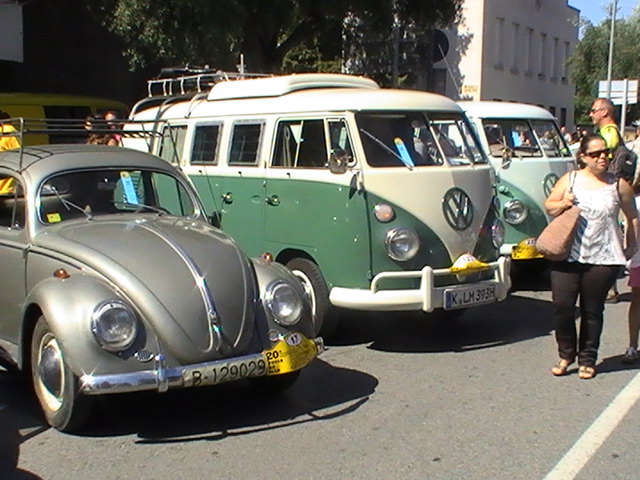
(377, 199)
(525, 147)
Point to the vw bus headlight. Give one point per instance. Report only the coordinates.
(497, 233)
(114, 325)
(402, 243)
(284, 303)
(515, 212)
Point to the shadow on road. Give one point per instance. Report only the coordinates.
(321, 393)
(18, 412)
(516, 319)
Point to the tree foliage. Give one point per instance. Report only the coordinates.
(273, 35)
(589, 62)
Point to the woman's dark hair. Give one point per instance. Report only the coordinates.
(4, 115)
(582, 149)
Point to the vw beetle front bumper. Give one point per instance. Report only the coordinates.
(289, 354)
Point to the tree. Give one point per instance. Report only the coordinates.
(266, 32)
(589, 61)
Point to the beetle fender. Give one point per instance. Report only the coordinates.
(68, 305)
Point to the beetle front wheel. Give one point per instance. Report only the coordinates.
(54, 383)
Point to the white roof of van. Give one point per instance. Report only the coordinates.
(281, 85)
(486, 109)
(349, 94)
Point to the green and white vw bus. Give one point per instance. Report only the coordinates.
(529, 154)
(377, 199)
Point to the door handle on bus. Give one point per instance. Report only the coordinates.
(272, 200)
(227, 198)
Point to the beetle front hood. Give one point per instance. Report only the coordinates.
(190, 281)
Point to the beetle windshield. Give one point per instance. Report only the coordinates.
(89, 193)
(416, 139)
(524, 138)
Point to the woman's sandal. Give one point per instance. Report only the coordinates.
(560, 368)
(586, 373)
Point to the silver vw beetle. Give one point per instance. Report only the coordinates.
(114, 282)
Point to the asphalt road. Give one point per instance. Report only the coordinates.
(395, 396)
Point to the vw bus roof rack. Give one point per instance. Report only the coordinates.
(191, 80)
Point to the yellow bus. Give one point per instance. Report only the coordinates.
(50, 106)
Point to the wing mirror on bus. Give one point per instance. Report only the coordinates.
(338, 161)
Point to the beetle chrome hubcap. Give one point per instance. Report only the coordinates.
(50, 372)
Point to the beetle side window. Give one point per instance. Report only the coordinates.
(300, 144)
(205, 144)
(245, 142)
(11, 202)
(172, 143)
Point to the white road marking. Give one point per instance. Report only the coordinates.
(587, 445)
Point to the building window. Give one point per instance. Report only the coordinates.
(565, 62)
(529, 52)
(555, 59)
(543, 56)
(498, 43)
(515, 60)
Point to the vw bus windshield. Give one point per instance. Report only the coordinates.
(415, 139)
(89, 193)
(523, 138)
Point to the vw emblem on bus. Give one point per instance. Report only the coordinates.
(457, 209)
(548, 183)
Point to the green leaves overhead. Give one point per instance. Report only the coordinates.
(306, 33)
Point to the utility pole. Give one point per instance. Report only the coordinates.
(614, 9)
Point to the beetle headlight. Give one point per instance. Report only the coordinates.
(515, 212)
(497, 233)
(284, 302)
(114, 325)
(402, 243)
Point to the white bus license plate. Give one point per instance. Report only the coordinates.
(472, 295)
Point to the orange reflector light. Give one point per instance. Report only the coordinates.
(61, 273)
(267, 257)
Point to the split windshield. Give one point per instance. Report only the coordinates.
(524, 138)
(417, 139)
(90, 193)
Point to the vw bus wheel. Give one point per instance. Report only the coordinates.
(325, 317)
(54, 383)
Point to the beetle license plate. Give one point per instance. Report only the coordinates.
(288, 354)
(472, 295)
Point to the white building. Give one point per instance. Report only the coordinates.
(513, 51)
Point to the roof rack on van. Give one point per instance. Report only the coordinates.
(181, 81)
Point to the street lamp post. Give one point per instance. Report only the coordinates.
(614, 9)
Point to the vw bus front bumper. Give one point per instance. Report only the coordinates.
(427, 297)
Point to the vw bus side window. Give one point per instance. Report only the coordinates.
(172, 143)
(457, 139)
(511, 136)
(550, 138)
(300, 144)
(205, 144)
(340, 142)
(245, 143)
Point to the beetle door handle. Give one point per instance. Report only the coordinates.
(272, 200)
(227, 198)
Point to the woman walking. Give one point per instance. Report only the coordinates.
(596, 255)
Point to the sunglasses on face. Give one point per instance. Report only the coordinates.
(597, 153)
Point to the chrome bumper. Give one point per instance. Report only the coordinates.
(427, 297)
(161, 378)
